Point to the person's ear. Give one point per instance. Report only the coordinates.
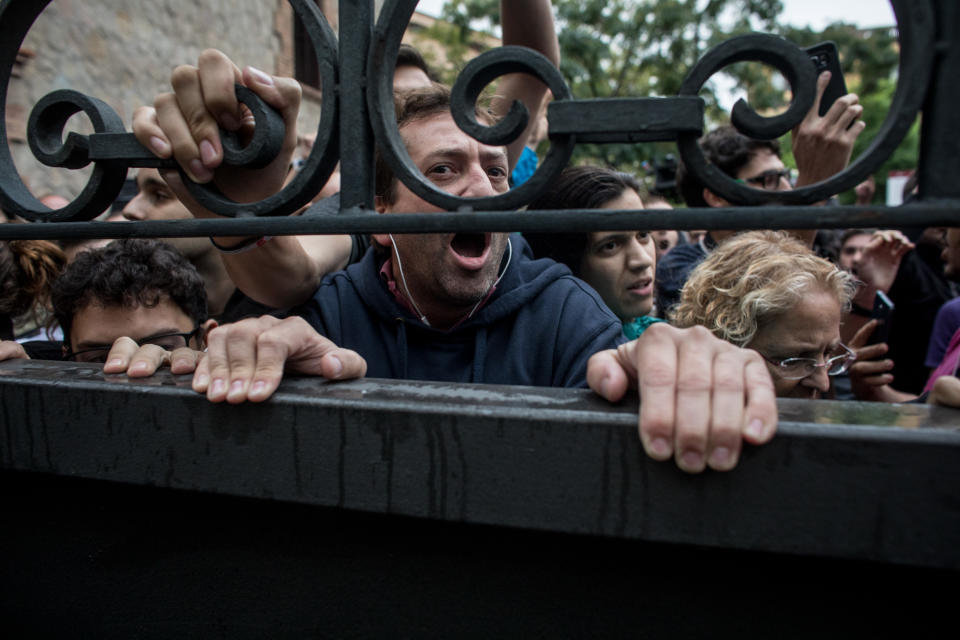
(713, 199)
(205, 328)
(383, 239)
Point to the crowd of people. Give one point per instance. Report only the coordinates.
(709, 328)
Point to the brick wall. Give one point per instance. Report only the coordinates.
(122, 51)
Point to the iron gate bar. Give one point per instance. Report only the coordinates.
(626, 119)
(944, 213)
(919, 24)
(555, 460)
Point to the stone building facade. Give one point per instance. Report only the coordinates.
(122, 52)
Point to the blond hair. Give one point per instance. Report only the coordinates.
(752, 279)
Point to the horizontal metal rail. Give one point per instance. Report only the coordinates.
(573, 220)
(844, 480)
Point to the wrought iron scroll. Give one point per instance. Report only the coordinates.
(916, 25)
(112, 150)
(369, 105)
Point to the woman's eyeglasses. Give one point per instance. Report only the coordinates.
(799, 368)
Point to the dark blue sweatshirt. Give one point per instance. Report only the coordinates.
(538, 328)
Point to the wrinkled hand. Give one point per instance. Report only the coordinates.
(700, 396)
(881, 258)
(184, 125)
(12, 350)
(945, 392)
(126, 356)
(246, 360)
(822, 145)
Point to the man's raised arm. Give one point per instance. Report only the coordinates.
(822, 145)
(525, 23)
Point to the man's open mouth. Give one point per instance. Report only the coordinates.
(470, 245)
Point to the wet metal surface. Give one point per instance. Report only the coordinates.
(843, 480)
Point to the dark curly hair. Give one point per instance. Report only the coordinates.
(129, 273)
(586, 187)
(728, 150)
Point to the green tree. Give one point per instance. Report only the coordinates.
(625, 48)
(632, 48)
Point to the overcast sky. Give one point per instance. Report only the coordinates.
(816, 13)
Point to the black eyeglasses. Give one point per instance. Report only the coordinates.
(769, 180)
(168, 341)
(800, 368)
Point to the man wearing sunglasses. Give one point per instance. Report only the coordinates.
(142, 289)
(821, 146)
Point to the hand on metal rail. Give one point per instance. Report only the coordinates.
(12, 350)
(945, 392)
(126, 356)
(246, 360)
(699, 396)
(185, 124)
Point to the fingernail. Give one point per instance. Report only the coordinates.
(208, 153)
(720, 457)
(116, 362)
(201, 382)
(660, 448)
(236, 389)
(261, 77)
(229, 121)
(258, 388)
(692, 460)
(219, 387)
(200, 172)
(337, 365)
(160, 146)
(755, 428)
(137, 367)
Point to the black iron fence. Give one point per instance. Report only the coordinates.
(862, 484)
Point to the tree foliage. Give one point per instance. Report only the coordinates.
(633, 48)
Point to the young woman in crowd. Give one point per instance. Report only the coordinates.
(767, 291)
(620, 265)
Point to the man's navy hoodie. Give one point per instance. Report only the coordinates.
(538, 328)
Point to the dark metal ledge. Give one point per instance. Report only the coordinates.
(844, 480)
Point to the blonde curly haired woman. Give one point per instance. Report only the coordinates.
(767, 291)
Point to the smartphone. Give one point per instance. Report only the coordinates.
(825, 57)
(883, 313)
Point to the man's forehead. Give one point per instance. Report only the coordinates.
(438, 134)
